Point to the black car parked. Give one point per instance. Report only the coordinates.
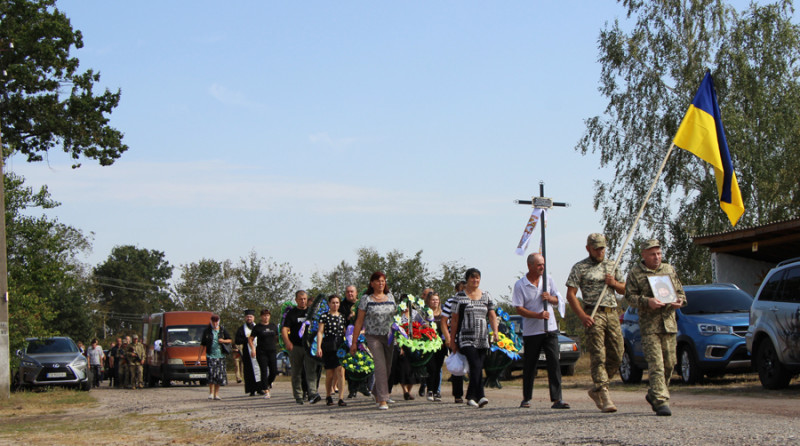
(569, 352)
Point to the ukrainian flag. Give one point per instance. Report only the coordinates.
(701, 133)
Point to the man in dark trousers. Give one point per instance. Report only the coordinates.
(534, 297)
(304, 367)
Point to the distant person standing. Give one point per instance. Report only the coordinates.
(304, 367)
(212, 341)
(251, 385)
(348, 310)
(112, 362)
(456, 382)
(136, 357)
(96, 357)
(434, 366)
(603, 333)
(656, 322)
(264, 341)
(533, 297)
(125, 362)
(424, 384)
(237, 362)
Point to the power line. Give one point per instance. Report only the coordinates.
(132, 282)
(108, 285)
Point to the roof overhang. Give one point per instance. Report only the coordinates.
(772, 242)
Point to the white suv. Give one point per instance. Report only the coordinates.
(773, 337)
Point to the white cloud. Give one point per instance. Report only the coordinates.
(323, 138)
(230, 187)
(231, 97)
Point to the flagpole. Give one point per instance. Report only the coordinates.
(635, 223)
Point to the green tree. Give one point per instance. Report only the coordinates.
(265, 283)
(445, 280)
(46, 100)
(209, 285)
(403, 274)
(46, 280)
(335, 281)
(131, 283)
(650, 74)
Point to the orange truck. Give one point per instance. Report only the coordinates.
(173, 347)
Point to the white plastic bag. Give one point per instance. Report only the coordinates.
(457, 364)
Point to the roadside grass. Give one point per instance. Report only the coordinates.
(64, 416)
(44, 401)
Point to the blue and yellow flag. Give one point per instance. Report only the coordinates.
(701, 133)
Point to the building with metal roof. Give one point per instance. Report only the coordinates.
(744, 256)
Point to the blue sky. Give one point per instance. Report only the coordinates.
(306, 130)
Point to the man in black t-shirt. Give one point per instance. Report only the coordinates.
(112, 362)
(347, 308)
(304, 367)
(264, 339)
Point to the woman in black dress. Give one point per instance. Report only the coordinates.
(329, 337)
(264, 340)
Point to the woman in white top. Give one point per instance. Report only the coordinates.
(469, 332)
(376, 312)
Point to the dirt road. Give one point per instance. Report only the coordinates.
(736, 413)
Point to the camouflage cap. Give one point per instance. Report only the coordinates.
(596, 240)
(652, 243)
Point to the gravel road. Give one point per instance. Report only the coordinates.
(741, 415)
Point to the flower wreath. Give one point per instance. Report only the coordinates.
(308, 331)
(508, 340)
(359, 366)
(285, 307)
(419, 337)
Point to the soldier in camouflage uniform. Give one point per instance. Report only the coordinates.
(124, 378)
(137, 354)
(656, 323)
(603, 333)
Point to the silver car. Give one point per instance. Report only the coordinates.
(52, 361)
(773, 337)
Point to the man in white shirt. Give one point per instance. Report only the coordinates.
(96, 357)
(539, 328)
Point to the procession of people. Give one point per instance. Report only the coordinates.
(381, 333)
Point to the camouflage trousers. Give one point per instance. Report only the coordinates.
(605, 346)
(135, 372)
(659, 352)
(123, 376)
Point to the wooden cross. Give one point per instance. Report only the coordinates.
(542, 202)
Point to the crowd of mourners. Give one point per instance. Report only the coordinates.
(361, 330)
(122, 365)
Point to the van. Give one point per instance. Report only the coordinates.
(173, 345)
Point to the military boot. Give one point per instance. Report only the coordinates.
(595, 396)
(605, 398)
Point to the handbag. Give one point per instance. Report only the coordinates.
(457, 364)
(226, 349)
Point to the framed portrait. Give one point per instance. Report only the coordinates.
(663, 289)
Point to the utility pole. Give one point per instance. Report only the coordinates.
(5, 355)
(5, 351)
(544, 203)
